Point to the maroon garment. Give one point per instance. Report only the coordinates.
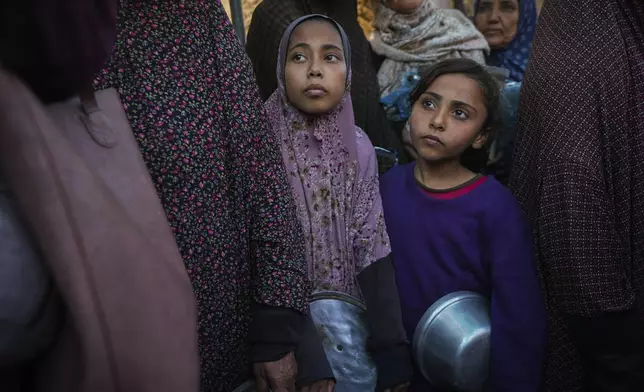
(579, 174)
(56, 45)
(458, 191)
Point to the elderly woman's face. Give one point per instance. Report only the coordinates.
(498, 20)
(403, 6)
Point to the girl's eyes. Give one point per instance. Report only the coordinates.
(429, 104)
(459, 114)
(332, 57)
(299, 57)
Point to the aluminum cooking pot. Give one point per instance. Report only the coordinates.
(340, 322)
(452, 342)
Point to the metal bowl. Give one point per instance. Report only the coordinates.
(340, 321)
(452, 342)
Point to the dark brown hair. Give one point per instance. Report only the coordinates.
(473, 159)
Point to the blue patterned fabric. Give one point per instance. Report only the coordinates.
(514, 57)
(397, 103)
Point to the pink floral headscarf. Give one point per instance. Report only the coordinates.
(333, 172)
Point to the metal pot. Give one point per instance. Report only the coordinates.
(340, 321)
(452, 342)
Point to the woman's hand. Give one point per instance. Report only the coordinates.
(278, 376)
(320, 386)
(399, 388)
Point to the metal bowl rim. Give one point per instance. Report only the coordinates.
(338, 296)
(433, 312)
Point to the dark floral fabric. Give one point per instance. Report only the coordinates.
(193, 104)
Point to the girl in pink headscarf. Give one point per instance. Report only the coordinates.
(334, 175)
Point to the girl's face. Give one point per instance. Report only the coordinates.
(315, 72)
(498, 21)
(448, 118)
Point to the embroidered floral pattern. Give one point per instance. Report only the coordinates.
(334, 174)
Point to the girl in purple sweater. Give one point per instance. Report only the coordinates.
(452, 228)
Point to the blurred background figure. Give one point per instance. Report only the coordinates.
(411, 36)
(418, 34)
(509, 27)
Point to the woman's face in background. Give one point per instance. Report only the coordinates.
(315, 72)
(498, 21)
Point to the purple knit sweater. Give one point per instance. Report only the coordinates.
(478, 242)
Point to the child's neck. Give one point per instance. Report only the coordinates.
(441, 175)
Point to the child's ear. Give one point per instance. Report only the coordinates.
(481, 138)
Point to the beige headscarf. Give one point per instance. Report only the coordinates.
(423, 38)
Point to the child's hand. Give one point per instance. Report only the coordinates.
(320, 386)
(399, 388)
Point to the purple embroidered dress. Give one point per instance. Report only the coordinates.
(334, 175)
(333, 172)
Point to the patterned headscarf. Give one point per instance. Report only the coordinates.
(270, 20)
(340, 123)
(333, 172)
(514, 57)
(421, 39)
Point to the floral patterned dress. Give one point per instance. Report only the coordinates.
(333, 171)
(191, 98)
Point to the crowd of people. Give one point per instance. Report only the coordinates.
(169, 200)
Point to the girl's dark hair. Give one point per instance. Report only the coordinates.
(473, 159)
